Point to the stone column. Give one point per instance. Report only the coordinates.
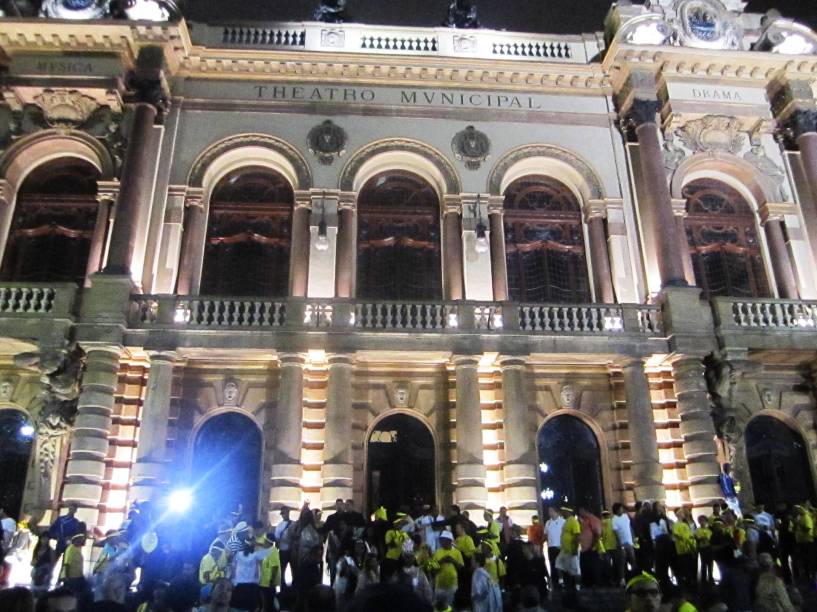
(646, 467)
(148, 474)
(286, 470)
(337, 467)
(135, 191)
(92, 428)
(470, 472)
(452, 249)
(697, 431)
(347, 246)
(106, 196)
(803, 125)
(655, 189)
(520, 462)
(772, 221)
(499, 265)
(194, 234)
(299, 247)
(679, 207)
(599, 255)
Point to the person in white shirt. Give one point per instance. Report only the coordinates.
(247, 575)
(764, 520)
(283, 537)
(425, 526)
(625, 552)
(553, 537)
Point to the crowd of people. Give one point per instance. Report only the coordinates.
(416, 559)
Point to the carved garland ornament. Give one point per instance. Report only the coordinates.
(712, 133)
(65, 108)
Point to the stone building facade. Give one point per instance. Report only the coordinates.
(401, 265)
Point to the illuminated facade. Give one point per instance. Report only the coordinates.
(294, 261)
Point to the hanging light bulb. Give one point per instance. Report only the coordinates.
(322, 242)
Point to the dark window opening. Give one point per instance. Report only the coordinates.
(544, 242)
(53, 223)
(398, 245)
(16, 441)
(723, 241)
(248, 235)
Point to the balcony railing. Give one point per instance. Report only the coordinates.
(361, 38)
(55, 300)
(204, 312)
(765, 314)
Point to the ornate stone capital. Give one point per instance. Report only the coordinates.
(679, 207)
(303, 199)
(347, 200)
(799, 122)
(340, 359)
(510, 362)
(776, 211)
(289, 360)
(465, 361)
(496, 205)
(641, 111)
(194, 198)
(595, 209)
(452, 204)
(107, 191)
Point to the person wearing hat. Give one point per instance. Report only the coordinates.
(73, 561)
(450, 562)
(395, 540)
(643, 594)
(213, 565)
(568, 559)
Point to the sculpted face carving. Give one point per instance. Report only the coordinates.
(401, 396)
(568, 396)
(230, 394)
(6, 390)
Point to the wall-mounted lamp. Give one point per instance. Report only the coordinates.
(482, 230)
(322, 242)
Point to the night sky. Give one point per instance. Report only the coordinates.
(544, 16)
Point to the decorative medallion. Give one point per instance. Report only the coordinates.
(327, 140)
(75, 9)
(712, 133)
(334, 38)
(65, 108)
(568, 396)
(231, 393)
(471, 147)
(401, 395)
(707, 24)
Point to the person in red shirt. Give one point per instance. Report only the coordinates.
(589, 541)
(536, 533)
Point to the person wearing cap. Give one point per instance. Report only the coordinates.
(395, 541)
(568, 559)
(643, 594)
(73, 562)
(450, 561)
(213, 565)
(64, 528)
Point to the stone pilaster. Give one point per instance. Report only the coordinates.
(148, 474)
(595, 212)
(772, 219)
(92, 428)
(337, 469)
(519, 471)
(469, 475)
(347, 246)
(287, 470)
(452, 249)
(300, 245)
(499, 264)
(106, 196)
(646, 468)
(697, 430)
(194, 233)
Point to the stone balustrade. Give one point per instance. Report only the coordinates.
(362, 38)
(55, 300)
(368, 315)
(768, 314)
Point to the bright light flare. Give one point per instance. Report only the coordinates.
(180, 501)
(27, 430)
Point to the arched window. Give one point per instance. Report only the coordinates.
(248, 235)
(53, 223)
(723, 241)
(569, 464)
(544, 243)
(16, 442)
(778, 463)
(398, 242)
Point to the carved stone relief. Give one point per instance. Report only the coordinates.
(326, 141)
(65, 108)
(712, 133)
(472, 147)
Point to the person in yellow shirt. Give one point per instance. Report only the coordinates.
(494, 564)
(395, 539)
(568, 559)
(609, 542)
(450, 562)
(464, 543)
(703, 535)
(684, 541)
(803, 543)
(73, 568)
(270, 571)
(213, 566)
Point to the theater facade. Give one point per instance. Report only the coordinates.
(279, 262)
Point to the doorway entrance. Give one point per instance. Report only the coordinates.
(569, 464)
(778, 463)
(227, 465)
(16, 442)
(401, 464)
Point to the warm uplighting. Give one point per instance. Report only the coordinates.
(181, 314)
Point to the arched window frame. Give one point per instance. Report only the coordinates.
(419, 177)
(752, 196)
(562, 190)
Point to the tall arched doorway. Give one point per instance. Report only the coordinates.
(569, 464)
(53, 224)
(778, 463)
(401, 464)
(227, 464)
(16, 442)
